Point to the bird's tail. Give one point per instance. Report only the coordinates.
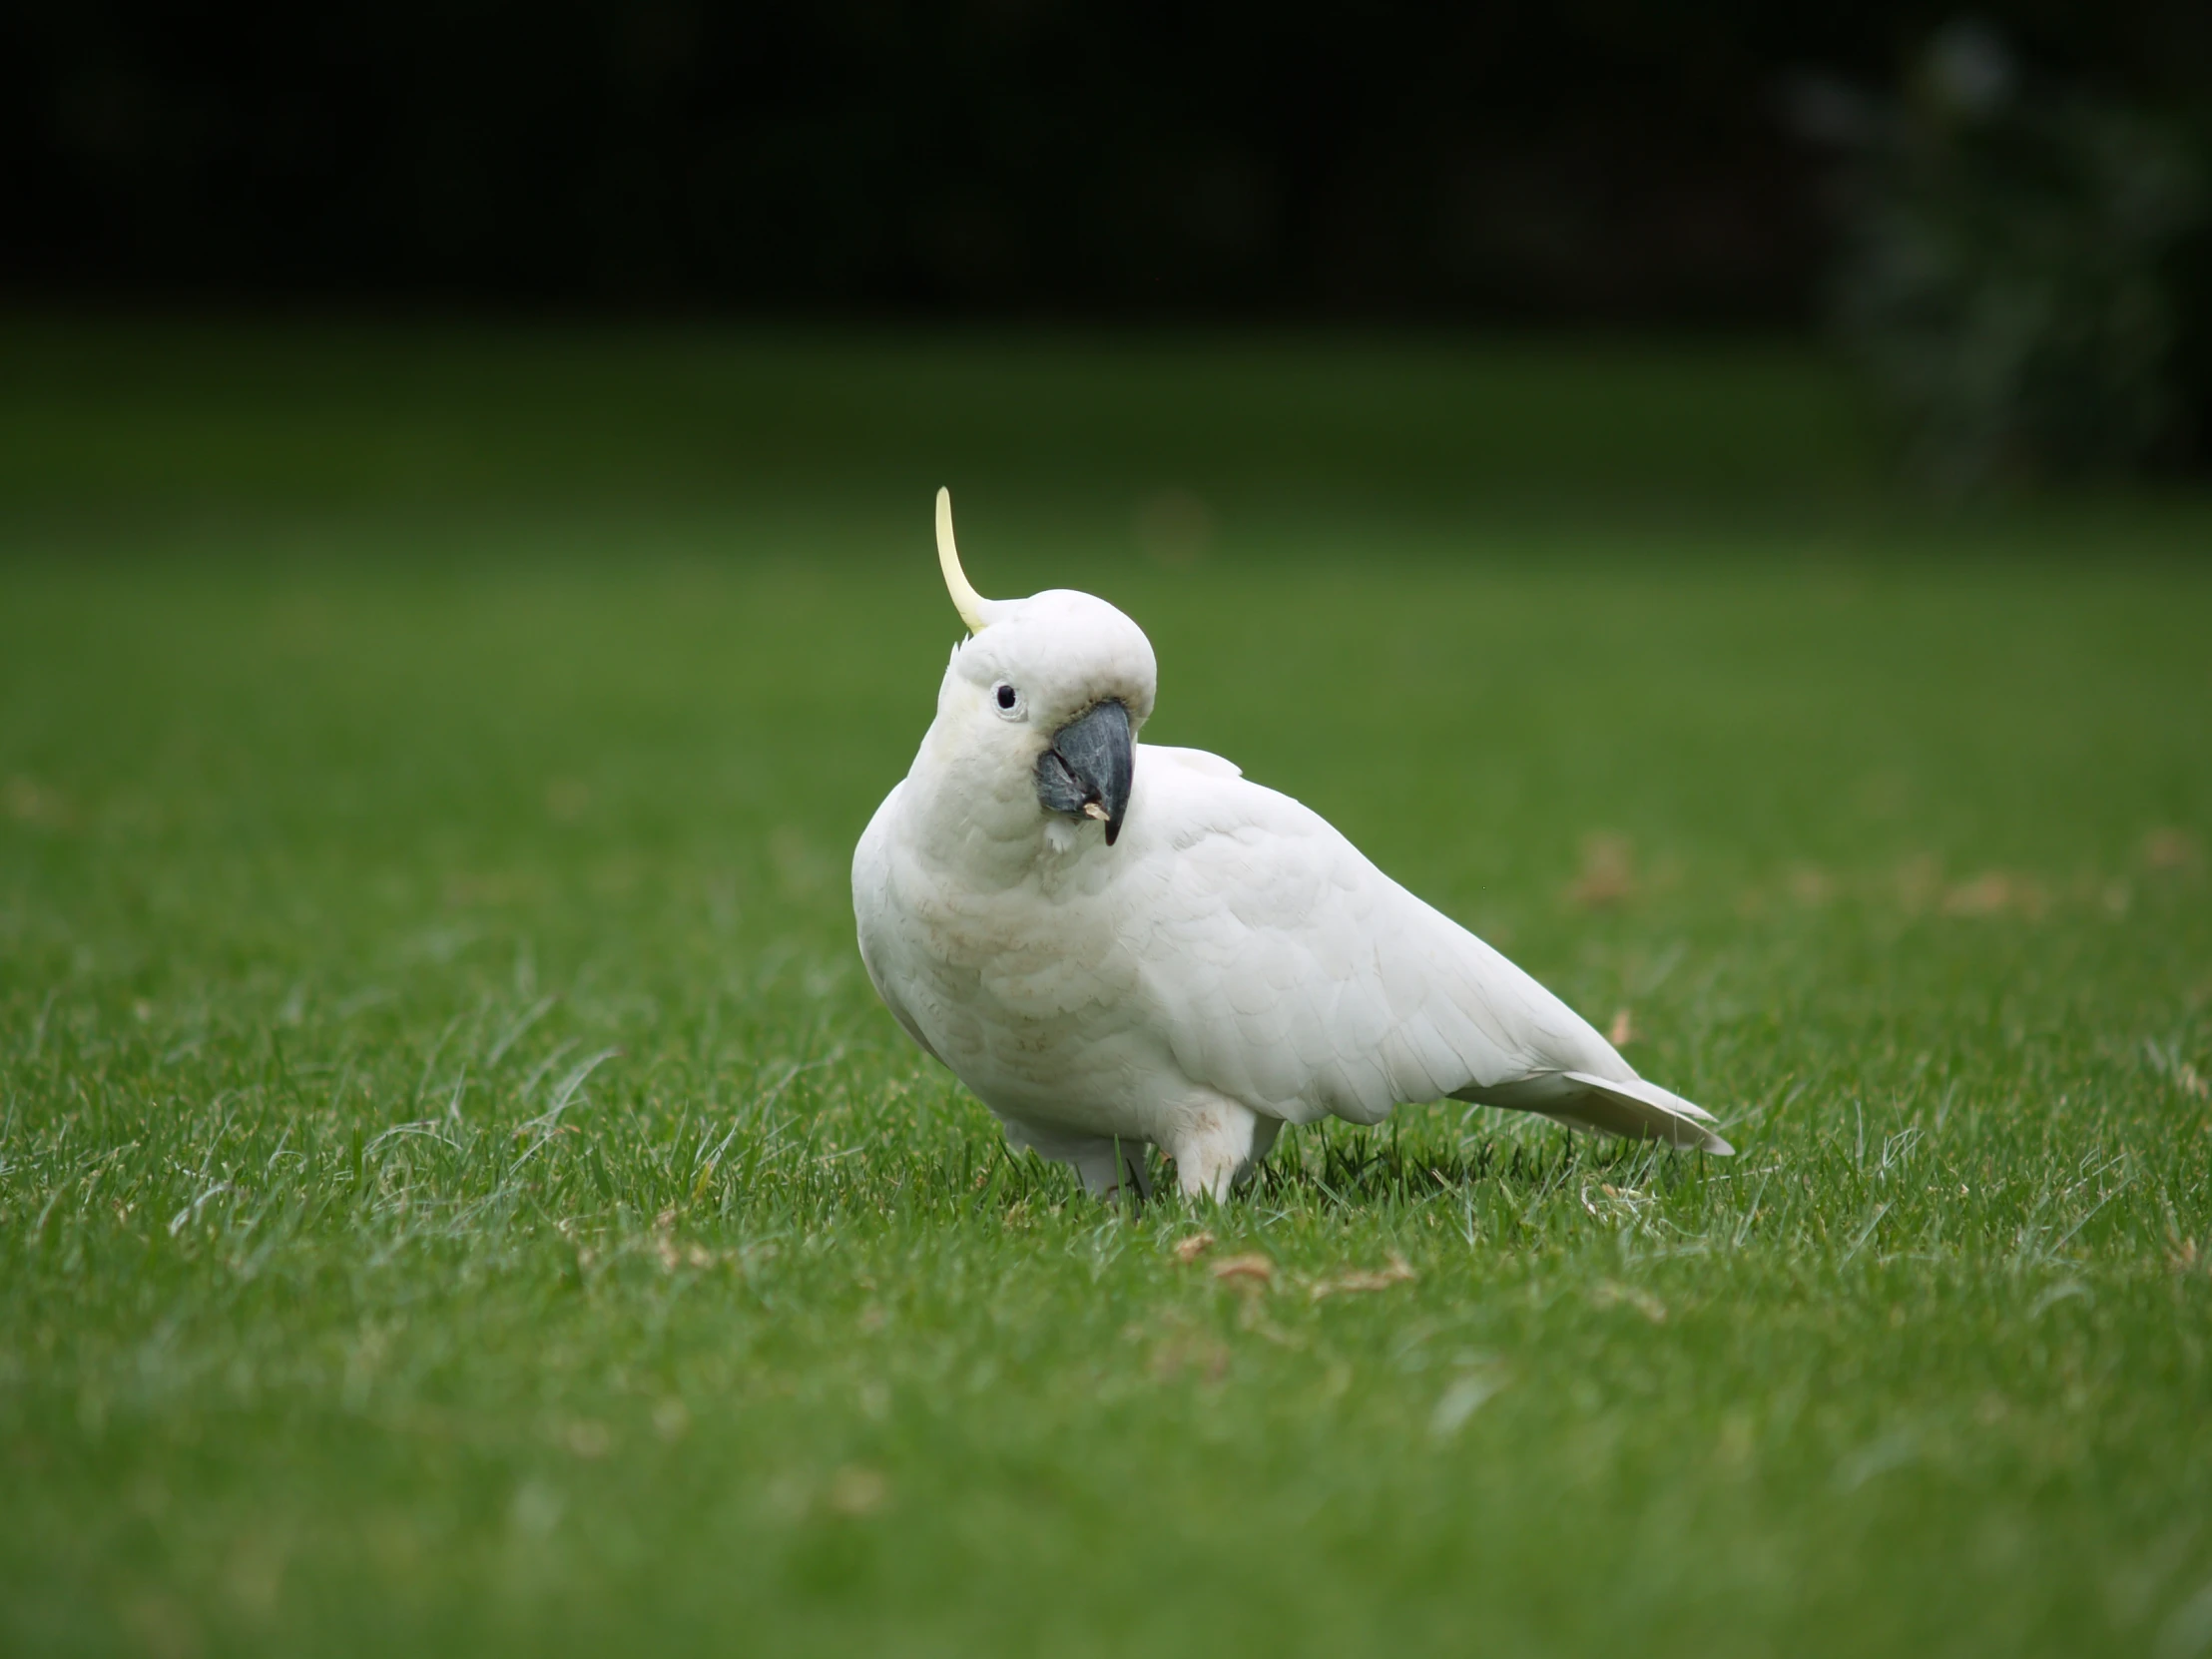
(1629, 1107)
(1639, 1110)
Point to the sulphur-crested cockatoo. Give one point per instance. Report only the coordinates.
(1119, 946)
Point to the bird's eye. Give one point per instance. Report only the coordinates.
(1007, 697)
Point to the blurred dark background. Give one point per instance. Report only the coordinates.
(1705, 163)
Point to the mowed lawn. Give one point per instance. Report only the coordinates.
(458, 1191)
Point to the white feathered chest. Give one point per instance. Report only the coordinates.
(1028, 988)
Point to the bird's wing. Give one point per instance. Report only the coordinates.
(873, 912)
(1189, 760)
(1287, 972)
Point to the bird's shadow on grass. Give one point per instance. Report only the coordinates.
(1342, 1168)
(1334, 1167)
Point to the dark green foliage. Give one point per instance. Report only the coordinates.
(2010, 275)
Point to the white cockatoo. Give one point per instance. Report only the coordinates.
(1119, 946)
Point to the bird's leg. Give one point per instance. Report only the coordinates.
(1215, 1143)
(1104, 1162)
(1263, 1132)
(1108, 1166)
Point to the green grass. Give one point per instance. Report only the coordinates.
(457, 1191)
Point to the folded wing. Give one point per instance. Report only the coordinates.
(1286, 971)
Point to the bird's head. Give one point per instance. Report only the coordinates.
(1048, 692)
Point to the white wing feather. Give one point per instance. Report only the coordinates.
(1286, 971)
(873, 908)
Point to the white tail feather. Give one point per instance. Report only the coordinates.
(1640, 1110)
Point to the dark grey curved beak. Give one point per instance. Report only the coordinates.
(1086, 772)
